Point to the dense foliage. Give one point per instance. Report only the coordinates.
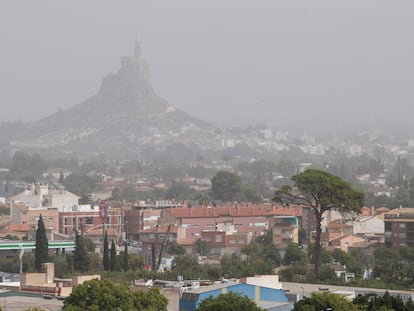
(227, 186)
(228, 302)
(329, 301)
(104, 295)
(325, 301)
(81, 260)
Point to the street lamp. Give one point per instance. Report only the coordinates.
(263, 262)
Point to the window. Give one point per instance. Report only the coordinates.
(88, 220)
(402, 225)
(402, 235)
(219, 238)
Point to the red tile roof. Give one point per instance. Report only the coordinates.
(19, 227)
(235, 211)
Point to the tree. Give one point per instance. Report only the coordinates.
(104, 295)
(202, 247)
(81, 260)
(293, 255)
(112, 258)
(261, 253)
(386, 302)
(224, 185)
(321, 191)
(228, 302)
(175, 249)
(42, 245)
(106, 253)
(152, 300)
(117, 194)
(324, 301)
(178, 191)
(81, 185)
(235, 267)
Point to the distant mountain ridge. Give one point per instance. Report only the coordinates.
(126, 111)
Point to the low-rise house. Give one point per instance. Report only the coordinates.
(27, 216)
(84, 218)
(41, 196)
(344, 242)
(366, 225)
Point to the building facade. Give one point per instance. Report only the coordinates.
(399, 227)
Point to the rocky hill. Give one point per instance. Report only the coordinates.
(126, 113)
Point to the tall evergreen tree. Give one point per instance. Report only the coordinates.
(321, 191)
(42, 245)
(112, 259)
(125, 263)
(106, 253)
(81, 260)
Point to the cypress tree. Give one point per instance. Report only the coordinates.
(112, 259)
(42, 245)
(106, 253)
(81, 260)
(125, 263)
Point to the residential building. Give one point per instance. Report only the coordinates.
(344, 242)
(40, 195)
(285, 230)
(399, 227)
(88, 219)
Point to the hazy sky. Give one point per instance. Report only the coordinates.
(227, 62)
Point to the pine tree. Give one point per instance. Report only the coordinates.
(81, 260)
(42, 245)
(106, 253)
(125, 263)
(112, 259)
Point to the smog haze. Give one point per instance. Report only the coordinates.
(225, 62)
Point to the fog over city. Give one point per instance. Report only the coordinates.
(225, 62)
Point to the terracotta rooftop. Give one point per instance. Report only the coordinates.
(19, 227)
(234, 211)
